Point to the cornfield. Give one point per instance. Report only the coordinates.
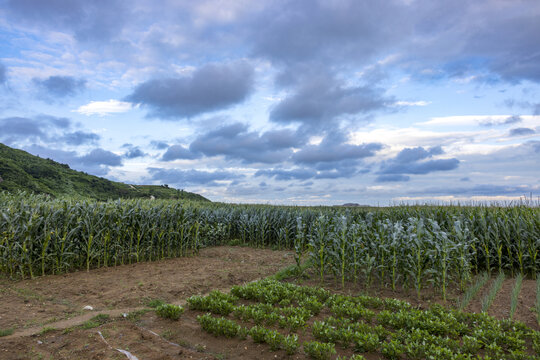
(411, 246)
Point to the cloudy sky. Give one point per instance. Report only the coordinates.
(290, 102)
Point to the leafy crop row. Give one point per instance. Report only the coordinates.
(389, 327)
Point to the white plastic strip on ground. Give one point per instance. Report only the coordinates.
(129, 355)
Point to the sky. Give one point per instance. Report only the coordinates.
(281, 102)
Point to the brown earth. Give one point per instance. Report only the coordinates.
(525, 311)
(56, 302)
(49, 299)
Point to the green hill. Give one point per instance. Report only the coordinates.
(22, 171)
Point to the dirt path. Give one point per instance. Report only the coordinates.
(58, 301)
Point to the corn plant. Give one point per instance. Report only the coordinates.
(404, 245)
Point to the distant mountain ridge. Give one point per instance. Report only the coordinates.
(21, 171)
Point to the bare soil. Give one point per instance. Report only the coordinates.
(46, 313)
(49, 299)
(525, 311)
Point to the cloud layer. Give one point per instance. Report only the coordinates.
(294, 101)
(210, 88)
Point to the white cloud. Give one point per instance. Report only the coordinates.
(474, 120)
(461, 199)
(412, 103)
(103, 108)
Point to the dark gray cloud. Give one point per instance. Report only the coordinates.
(338, 171)
(235, 141)
(521, 131)
(101, 157)
(480, 190)
(97, 20)
(159, 145)
(134, 152)
(182, 178)
(20, 126)
(176, 152)
(453, 38)
(509, 120)
(43, 128)
(508, 44)
(319, 100)
(414, 161)
(490, 42)
(409, 155)
(528, 105)
(334, 149)
(299, 31)
(333, 157)
(392, 178)
(210, 88)
(97, 162)
(3, 74)
(58, 122)
(61, 156)
(535, 145)
(80, 138)
(420, 168)
(59, 86)
(286, 175)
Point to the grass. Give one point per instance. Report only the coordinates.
(136, 315)
(490, 297)
(46, 330)
(515, 295)
(473, 290)
(96, 321)
(155, 303)
(292, 271)
(6, 332)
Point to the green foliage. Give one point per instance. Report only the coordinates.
(412, 247)
(155, 303)
(319, 351)
(473, 290)
(169, 311)
(290, 344)
(490, 297)
(515, 295)
(220, 326)
(352, 357)
(216, 302)
(136, 314)
(392, 350)
(21, 171)
(6, 332)
(96, 321)
(391, 328)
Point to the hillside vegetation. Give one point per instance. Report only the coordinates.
(21, 171)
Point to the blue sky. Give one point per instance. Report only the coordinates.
(285, 102)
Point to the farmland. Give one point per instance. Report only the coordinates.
(438, 260)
